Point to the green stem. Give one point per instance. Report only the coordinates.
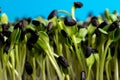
(66, 12)
(97, 70)
(43, 70)
(102, 60)
(116, 69)
(88, 74)
(77, 53)
(107, 70)
(73, 12)
(34, 69)
(13, 64)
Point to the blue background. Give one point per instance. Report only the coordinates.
(34, 8)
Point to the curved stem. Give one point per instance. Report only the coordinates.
(73, 12)
(65, 12)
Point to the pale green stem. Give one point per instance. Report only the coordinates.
(73, 12)
(102, 60)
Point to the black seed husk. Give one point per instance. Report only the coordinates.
(62, 61)
(97, 32)
(94, 21)
(52, 14)
(6, 33)
(49, 26)
(20, 25)
(114, 25)
(88, 52)
(78, 4)
(35, 22)
(69, 22)
(112, 50)
(32, 40)
(29, 31)
(64, 33)
(83, 75)
(28, 68)
(5, 27)
(29, 20)
(103, 24)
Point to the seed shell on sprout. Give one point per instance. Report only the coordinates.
(28, 68)
(63, 62)
(89, 51)
(69, 22)
(112, 49)
(94, 21)
(35, 22)
(103, 24)
(114, 25)
(32, 40)
(52, 14)
(5, 27)
(64, 33)
(20, 25)
(49, 26)
(29, 20)
(78, 4)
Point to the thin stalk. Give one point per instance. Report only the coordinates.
(116, 69)
(73, 12)
(102, 60)
(65, 12)
(34, 69)
(13, 64)
(43, 70)
(77, 53)
(97, 70)
(88, 74)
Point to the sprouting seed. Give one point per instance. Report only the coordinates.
(103, 24)
(29, 20)
(6, 33)
(19, 25)
(94, 21)
(28, 68)
(89, 50)
(5, 27)
(78, 4)
(30, 31)
(35, 22)
(62, 61)
(64, 33)
(114, 25)
(69, 22)
(32, 40)
(52, 14)
(112, 49)
(49, 26)
(83, 75)
(97, 32)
